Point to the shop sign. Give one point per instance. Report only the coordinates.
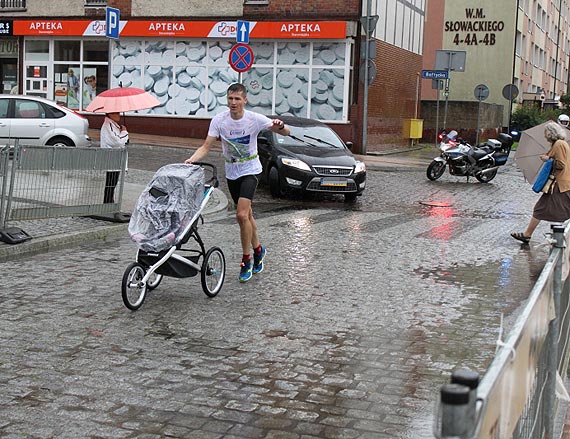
(6, 28)
(50, 27)
(184, 29)
(8, 47)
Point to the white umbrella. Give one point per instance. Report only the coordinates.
(531, 146)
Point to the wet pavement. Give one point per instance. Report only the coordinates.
(361, 314)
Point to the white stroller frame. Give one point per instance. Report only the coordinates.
(147, 272)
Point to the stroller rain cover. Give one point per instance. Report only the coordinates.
(165, 207)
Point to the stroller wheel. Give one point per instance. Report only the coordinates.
(153, 281)
(213, 271)
(132, 289)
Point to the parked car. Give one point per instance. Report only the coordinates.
(312, 159)
(38, 121)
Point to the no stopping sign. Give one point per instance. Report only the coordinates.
(241, 57)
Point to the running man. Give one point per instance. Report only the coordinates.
(238, 129)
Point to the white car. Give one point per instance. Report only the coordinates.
(38, 121)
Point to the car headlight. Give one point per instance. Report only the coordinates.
(295, 163)
(359, 167)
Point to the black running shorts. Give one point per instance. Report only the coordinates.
(243, 187)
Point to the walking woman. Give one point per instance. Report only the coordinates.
(113, 135)
(554, 206)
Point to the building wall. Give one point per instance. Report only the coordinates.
(125, 6)
(186, 8)
(463, 117)
(433, 41)
(52, 8)
(510, 42)
(318, 9)
(392, 97)
(486, 32)
(542, 49)
(394, 93)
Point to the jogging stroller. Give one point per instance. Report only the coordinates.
(165, 217)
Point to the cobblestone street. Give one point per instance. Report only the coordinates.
(362, 312)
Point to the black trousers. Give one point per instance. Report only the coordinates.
(111, 180)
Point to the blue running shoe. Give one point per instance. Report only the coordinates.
(245, 271)
(258, 261)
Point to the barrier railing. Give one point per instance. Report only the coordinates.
(45, 182)
(517, 397)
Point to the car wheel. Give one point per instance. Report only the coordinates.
(274, 185)
(60, 141)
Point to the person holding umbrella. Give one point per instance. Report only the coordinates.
(113, 135)
(554, 206)
(112, 102)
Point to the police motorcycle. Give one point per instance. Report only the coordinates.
(464, 160)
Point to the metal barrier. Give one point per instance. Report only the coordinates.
(47, 181)
(517, 397)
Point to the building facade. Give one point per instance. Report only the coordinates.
(306, 59)
(394, 94)
(522, 43)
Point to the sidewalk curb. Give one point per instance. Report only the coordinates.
(105, 231)
(57, 242)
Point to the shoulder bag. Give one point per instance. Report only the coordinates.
(544, 181)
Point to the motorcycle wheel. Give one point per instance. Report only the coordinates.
(487, 177)
(435, 170)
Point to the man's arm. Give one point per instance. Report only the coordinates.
(279, 127)
(201, 152)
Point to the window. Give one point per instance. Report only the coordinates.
(4, 107)
(190, 77)
(25, 109)
(95, 3)
(70, 72)
(12, 5)
(65, 50)
(37, 50)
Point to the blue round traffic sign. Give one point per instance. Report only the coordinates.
(241, 57)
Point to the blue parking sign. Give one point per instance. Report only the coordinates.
(242, 32)
(112, 21)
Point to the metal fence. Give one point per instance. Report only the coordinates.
(517, 397)
(45, 182)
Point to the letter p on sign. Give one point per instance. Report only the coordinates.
(112, 20)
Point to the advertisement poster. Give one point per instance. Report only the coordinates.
(89, 85)
(60, 93)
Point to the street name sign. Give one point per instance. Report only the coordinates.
(435, 74)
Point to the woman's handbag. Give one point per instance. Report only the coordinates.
(544, 177)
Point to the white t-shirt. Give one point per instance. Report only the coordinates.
(239, 141)
(112, 136)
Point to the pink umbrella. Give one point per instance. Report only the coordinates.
(121, 99)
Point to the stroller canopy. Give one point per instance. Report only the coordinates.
(166, 206)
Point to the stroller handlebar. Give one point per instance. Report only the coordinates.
(213, 180)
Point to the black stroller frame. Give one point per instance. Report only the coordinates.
(149, 268)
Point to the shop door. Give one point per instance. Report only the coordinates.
(9, 75)
(36, 80)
